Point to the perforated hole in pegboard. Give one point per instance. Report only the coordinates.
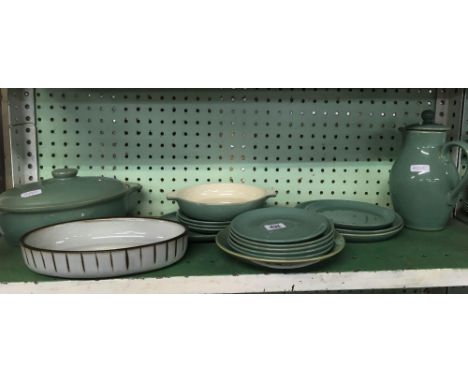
(22, 135)
(305, 143)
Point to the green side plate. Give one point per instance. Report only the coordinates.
(282, 266)
(222, 243)
(303, 246)
(285, 253)
(279, 225)
(359, 238)
(396, 226)
(200, 223)
(352, 214)
(192, 236)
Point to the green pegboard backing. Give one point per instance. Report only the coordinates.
(463, 166)
(305, 143)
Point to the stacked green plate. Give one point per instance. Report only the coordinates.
(201, 226)
(358, 221)
(280, 238)
(193, 236)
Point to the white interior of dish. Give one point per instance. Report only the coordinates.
(221, 193)
(103, 234)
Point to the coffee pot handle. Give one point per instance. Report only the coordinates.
(453, 195)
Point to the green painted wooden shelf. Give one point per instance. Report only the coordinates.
(411, 250)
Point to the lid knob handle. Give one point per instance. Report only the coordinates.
(428, 117)
(63, 173)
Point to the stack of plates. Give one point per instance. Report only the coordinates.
(199, 230)
(201, 226)
(280, 238)
(358, 221)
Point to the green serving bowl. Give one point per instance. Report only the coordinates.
(219, 202)
(65, 197)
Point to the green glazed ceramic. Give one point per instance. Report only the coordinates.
(352, 214)
(65, 197)
(188, 220)
(328, 235)
(286, 253)
(208, 231)
(284, 266)
(200, 226)
(362, 238)
(219, 202)
(222, 243)
(279, 225)
(424, 182)
(398, 224)
(194, 237)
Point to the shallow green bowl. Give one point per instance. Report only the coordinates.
(219, 202)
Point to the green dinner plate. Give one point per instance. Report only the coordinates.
(195, 237)
(286, 253)
(320, 241)
(279, 225)
(222, 243)
(352, 214)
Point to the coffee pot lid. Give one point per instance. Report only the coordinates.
(428, 124)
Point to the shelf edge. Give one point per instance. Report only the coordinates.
(293, 282)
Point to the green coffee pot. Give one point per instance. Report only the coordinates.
(424, 182)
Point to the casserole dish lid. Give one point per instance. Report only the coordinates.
(65, 190)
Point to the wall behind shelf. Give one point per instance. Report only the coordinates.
(305, 143)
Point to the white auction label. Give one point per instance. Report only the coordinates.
(275, 226)
(420, 168)
(31, 193)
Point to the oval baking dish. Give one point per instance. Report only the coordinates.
(99, 248)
